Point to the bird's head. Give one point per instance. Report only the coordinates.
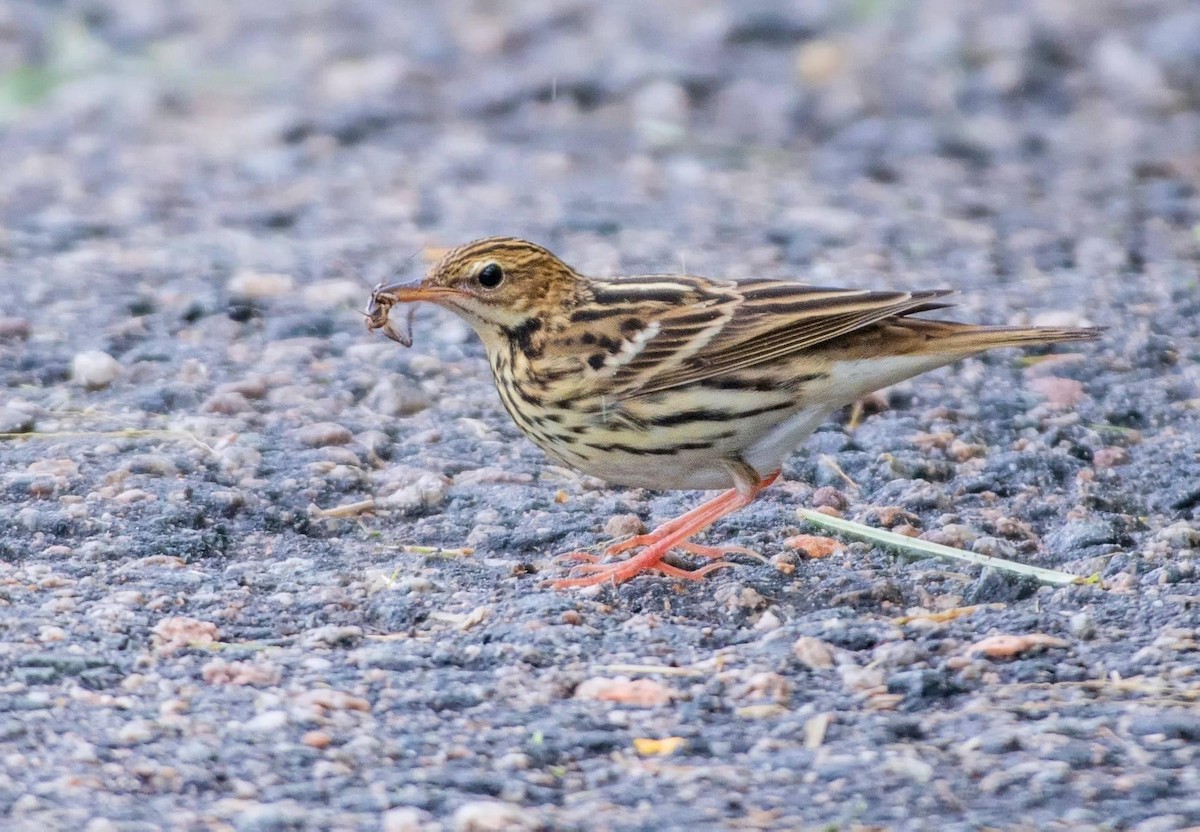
(495, 284)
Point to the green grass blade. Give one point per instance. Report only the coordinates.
(920, 548)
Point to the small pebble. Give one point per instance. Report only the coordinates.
(819, 61)
(396, 397)
(94, 369)
(637, 693)
(405, 819)
(426, 493)
(252, 387)
(1082, 626)
(829, 497)
(158, 465)
(136, 732)
(513, 761)
(1180, 534)
(321, 434)
(226, 404)
(13, 420)
(332, 635)
(260, 285)
(268, 722)
(661, 113)
(1059, 392)
(493, 816)
(624, 525)
(813, 653)
(13, 329)
(1128, 74)
(814, 546)
(1110, 457)
(739, 598)
(316, 739)
(856, 678)
(325, 294)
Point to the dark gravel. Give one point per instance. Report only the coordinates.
(191, 198)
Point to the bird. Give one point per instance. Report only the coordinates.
(680, 382)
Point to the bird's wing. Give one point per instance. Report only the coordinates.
(694, 329)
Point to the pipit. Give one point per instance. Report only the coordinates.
(680, 382)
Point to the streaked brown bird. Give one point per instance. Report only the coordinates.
(681, 382)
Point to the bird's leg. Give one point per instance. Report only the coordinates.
(729, 497)
(749, 486)
(714, 552)
(726, 497)
(725, 503)
(673, 534)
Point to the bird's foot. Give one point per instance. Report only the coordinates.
(717, 552)
(589, 570)
(710, 552)
(594, 574)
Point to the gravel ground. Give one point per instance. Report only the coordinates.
(191, 197)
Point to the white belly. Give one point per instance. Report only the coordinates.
(768, 454)
(764, 443)
(703, 469)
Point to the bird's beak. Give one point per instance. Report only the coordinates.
(410, 292)
(383, 298)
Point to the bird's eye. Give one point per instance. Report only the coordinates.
(490, 276)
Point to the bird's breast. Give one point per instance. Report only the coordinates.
(674, 439)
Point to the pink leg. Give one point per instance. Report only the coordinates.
(670, 535)
(727, 498)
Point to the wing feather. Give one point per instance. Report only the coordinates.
(732, 326)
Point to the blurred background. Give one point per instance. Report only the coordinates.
(221, 499)
(209, 136)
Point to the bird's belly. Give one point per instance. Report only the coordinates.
(680, 439)
(681, 456)
(684, 471)
(767, 454)
(662, 459)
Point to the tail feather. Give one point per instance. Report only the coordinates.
(905, 347)
(968, 338)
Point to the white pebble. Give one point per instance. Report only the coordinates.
(390, 398)
(660, 113)
(325, 294)
(267, 722)
(404, 819)
(491, 816)
(136, 732)
(95, 369)
(249, 284)
(428, 492)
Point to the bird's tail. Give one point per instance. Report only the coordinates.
(965, 339)
(904, 347)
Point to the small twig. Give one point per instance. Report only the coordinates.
(916, 547)
(347, 510)
(832, 464)
(123, 433)
(815, 729)
(437, 551)
(946, 615)
(856, 415)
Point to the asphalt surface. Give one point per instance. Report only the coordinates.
(261, 570)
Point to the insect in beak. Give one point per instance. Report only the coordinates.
(379, 307)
